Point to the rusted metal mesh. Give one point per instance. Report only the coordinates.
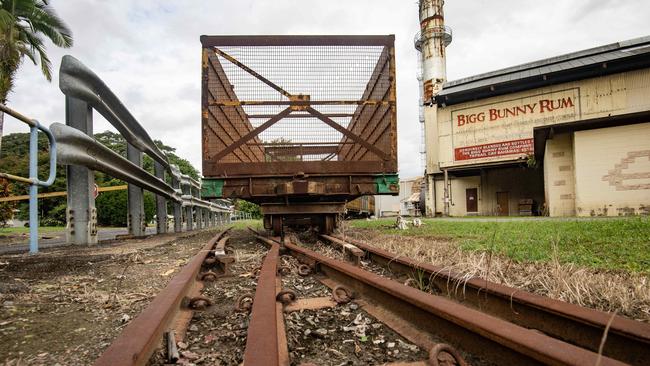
(351, 85)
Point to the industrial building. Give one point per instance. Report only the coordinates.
(407, 203)
(564, 136)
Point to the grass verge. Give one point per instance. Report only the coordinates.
(602, 244)
(243, 224)
(25, 230)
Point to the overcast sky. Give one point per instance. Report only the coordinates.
(149, 52)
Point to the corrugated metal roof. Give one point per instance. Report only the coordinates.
(621, 56)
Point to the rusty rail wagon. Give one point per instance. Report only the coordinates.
(299, 124)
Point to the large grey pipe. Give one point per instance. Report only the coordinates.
(78, 81)
(76, 148)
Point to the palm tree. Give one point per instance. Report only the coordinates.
(22, 22)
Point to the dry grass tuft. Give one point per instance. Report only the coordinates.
(621, 291)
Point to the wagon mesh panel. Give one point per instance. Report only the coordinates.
(351, 85)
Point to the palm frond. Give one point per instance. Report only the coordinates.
(46, 65)
(7, 20)
(46, 21)
(23, 26)
(35, 42)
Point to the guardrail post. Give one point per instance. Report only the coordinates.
(81, 215)
(178, 208)
(161, 202)
(189, 218)
(136, 220)
(199, 218)
(189, 210)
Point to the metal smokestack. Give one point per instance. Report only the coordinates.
(432, 40)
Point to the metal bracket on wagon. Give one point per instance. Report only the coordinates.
(387, 184)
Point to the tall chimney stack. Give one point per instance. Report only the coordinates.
(433, 39)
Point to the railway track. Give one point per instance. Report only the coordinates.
(303, 307)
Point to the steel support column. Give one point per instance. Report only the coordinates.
(81, 215)
(135, 220)
(161, 202)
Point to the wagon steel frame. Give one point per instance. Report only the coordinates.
(244, 97)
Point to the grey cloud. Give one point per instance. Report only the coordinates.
(148, 51)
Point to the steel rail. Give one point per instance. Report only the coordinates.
(138, 341)
(627, 340)
(262, 346)
(477, 333)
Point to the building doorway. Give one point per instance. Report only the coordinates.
(471, 200)
(503, 204)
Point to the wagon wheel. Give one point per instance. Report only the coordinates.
(330, 224)
(277, 225)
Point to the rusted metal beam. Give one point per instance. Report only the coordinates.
(252, 72)
(221, 138)
(234, 103)
(303, 209)
(333, 40)
(252, 134)
(627, 340)
(219, 169)
(138, 341)
(262, 341)
(302, 115)
(348, 133)
(226, 89)
(297, 150)
(370, 89)
(485, 336)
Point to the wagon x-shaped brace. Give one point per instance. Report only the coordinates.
(298, 102)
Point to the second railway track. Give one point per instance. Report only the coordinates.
(298, 306)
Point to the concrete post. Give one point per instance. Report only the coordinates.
(136, 219)
(178, 208)
(161, 202)
(81, 215)
(189, 217)
(446, 195)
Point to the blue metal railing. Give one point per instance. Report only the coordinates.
(33, 180)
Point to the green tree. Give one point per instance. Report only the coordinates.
(275, 150)
(6, 208)
(22, 25)
(245, 206)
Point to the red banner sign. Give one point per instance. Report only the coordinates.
(524, 146)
